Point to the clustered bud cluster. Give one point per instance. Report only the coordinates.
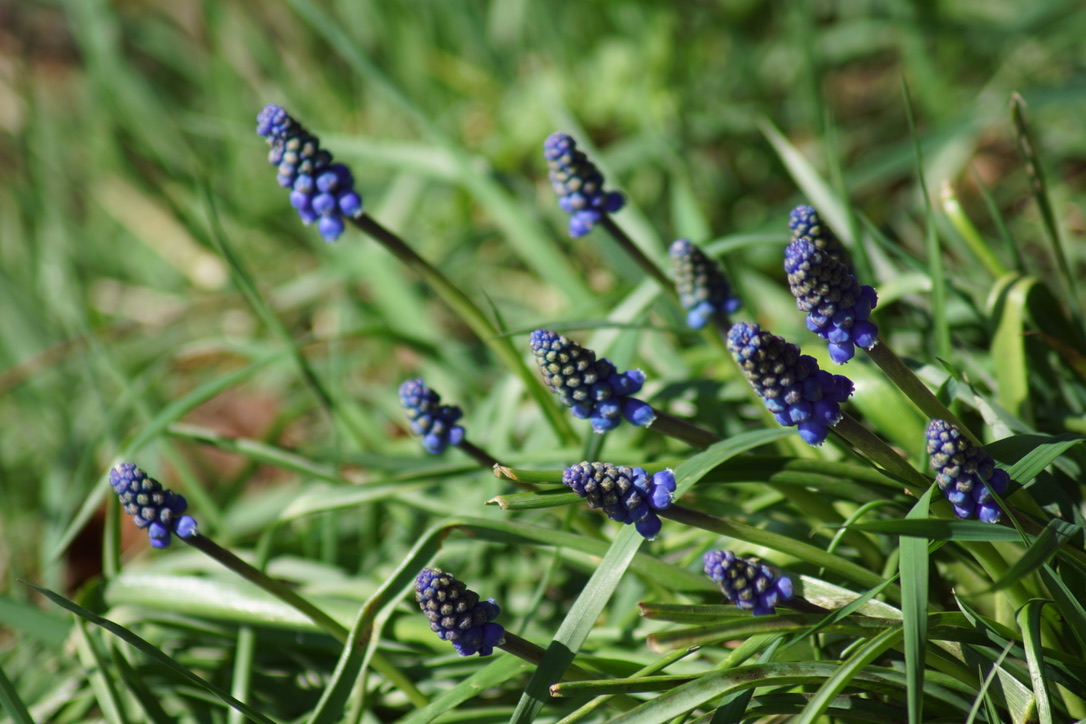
(433, 422)
(750, 585)
(320, 190)
(457, 615)
(838, 307)
(151, 506)
(579, 185)
(593, 389)
(791, 384)
(625, 494)
(804, 222)
(703, 289)
(965, 472)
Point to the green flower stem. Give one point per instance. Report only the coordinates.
(757, 536)
(323, 621)
(880, 453)
(527, 475)
(474, 318)
(913, 388)
(684, 430)
(647, 265)
(479, 455)
(533, 654)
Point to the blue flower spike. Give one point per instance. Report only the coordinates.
(593, 389)
(838, 307)
(457, 615)
(320, 190)
(804, 221)
(965, 472)
(791, 384)
(433, 422)
(579, 185)
(627, 495)
(151, 506)
(703, 289)
(750, 585)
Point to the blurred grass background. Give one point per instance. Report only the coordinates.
(126, 140)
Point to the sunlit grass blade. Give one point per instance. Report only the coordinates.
(914, 607)
(496, 672)
(865, 655)
(1029, 621)
(577, 624)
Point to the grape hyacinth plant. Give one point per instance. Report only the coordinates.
(750, 585)
(433, 422)
(703, 289)
(320, 190)
(579, 185)
(965, 472)
(791, 384)
(838, 307)
(626, 494)
(592, 388)
(158, 510)
(457, 615)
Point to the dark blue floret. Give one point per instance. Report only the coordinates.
(628, 495)
(703, 289)
(457, 615)
(838, 307)
(320, 190)
(751, 585)
(804, 221)
(151, 506)
(579, 185)
(592, 388)
(794, 389)
(965, 472)
(433, 422)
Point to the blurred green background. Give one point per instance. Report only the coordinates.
(127, 144)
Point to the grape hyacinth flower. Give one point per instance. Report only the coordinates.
(151, 506)
(804, 221)
(794, 389)
(703, 289)
(433, 422)
(579, 185)
(457, 615)
(627, 495)
(751, 585)
(593, 389)
(320, 190)
(965, 472)
(837, 306)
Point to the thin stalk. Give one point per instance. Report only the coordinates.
(647, 265)
(907, 381)
(880, 453)
(473, 317)
(684, 430)
(480, 456)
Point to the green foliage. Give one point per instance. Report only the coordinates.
(163, 304)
